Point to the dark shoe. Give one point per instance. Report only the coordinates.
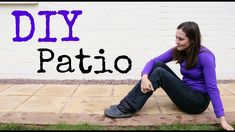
(114, 112)
(113, 106)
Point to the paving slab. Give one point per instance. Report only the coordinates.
(42, 104)
(4, 86)
(167, 106)
(86, 105)
(150, 107)
(94, 90)
(121, 90)
(9, 103)
(21, 89)
(57, 90)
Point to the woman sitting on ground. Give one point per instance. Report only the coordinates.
(193, 93)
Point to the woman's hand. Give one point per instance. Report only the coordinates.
(224, 124)
(146, 85)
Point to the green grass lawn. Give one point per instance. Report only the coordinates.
(86, 126)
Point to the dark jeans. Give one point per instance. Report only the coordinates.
(184, 97)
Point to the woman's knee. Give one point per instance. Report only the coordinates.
(159, 64)
(158, 71)
(157, 75)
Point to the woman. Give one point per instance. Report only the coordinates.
(193, 93)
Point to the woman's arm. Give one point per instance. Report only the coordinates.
(208, 62)
(165, 57)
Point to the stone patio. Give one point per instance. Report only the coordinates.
(73, 104)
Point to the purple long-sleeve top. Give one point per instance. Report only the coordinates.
(201, 77)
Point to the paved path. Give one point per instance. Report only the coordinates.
(73, 104)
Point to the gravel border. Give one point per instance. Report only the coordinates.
(41, 81)
(100, 82)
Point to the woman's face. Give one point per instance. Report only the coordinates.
(182, 41)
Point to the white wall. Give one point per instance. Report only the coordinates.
(140, 30)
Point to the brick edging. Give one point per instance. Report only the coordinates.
(99, 119)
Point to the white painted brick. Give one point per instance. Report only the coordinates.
(140, 30)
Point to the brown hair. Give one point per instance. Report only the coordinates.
(190, 55)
